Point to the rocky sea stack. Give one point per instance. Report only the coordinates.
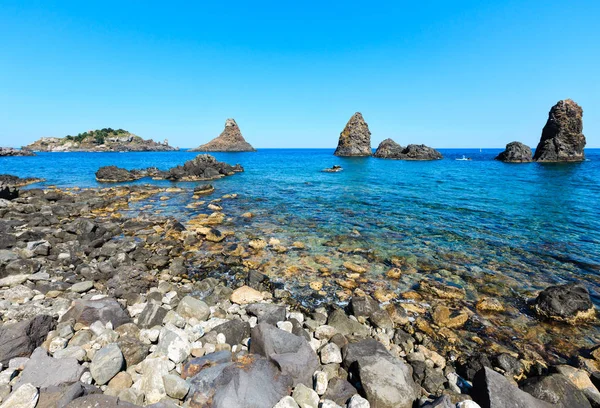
(9, 151)
(388, 149)
(202, 167)
(562, 138)
(355, 139)
(100, 140)
(515, 152)
(230, 140)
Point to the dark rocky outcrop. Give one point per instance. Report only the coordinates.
(10, 152)
(355, 139)
(562, 138)
(230, 140)
(388, 149)
(202, 167)
(556, 389)
(334, 169)
(14, 181)
(567, 303)
(20, 339)
(515, 152)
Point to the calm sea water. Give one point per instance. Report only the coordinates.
(523, 225)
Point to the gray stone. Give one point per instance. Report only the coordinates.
(339, 391)
(44, 371)
(134, 351)
(346, 326)
(81, 287)
(99, 401)
(60, 396)
(190, 307)
(234, 330)
(20, 339)
(493, 390)
(107, 362)
(175, 386)
(26, 396)
(305, 397)
(152, 315)
(105, 310)
(267, 312)
(292, 354)
(331, 353)
(556, 389)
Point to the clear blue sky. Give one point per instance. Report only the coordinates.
(444, 73)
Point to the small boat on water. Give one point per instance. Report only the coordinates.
(464, 158)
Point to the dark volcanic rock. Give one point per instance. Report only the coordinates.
(20, 339)
(562, 140)
(515, 152)
(9, 151)
(388, 149)
(355, 139)
(14, 181)
(567, 303)
(114, 174)
(334, 169)
(230, 140)
(292, 354)
(493, 390)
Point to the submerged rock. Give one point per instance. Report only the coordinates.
(230, 140)
(566, 303)
(355, 139)
(388, 149)
(515, 152)
(562, 138)
(334, 169)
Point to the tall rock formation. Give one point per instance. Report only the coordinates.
(515, 152)
(355, 139)
(230, 140)
(562, 140)
(388, 149)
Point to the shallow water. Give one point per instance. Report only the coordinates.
(490, 227)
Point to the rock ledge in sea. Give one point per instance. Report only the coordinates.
(355, 139)
(569, 303)
(388, 149)
(100, 140)
(10, 152)
(230, 140)
(515, 152)
(203, 167)
(562, 138)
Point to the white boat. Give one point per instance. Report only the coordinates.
(464, 158)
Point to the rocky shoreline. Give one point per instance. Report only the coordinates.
(113, 307)
(10, 152)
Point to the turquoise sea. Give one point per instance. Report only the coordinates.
(493, 228)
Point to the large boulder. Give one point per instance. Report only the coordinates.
(99, 400)
(386, 380)
(230, 140)
(568, 303)
(114, 174)
(20, 339)
(292, 354)
(556, 389)
(388, 149)
(88, 311)
(515, 152)
(44, 371)
(355, 139)
(493, 390)
(202, 167)
(562, 138)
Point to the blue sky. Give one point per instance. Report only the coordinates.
(447, 74)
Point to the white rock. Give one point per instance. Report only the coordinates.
(57, 343)
(358, 402)
(321, 382)
(286, 326)
(151, 384)
(149, 336)
(467, 404)
(286, 402)
(221, 339)
(331, 353)
(325, 332)
(329, 404)
(26, 396)
(297, 315)
(174, 344)
(14, 280)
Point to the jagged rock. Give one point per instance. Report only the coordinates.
(20, 339)
(562, 138)
(44, 371)
(267, 312)
(292, 354)
(568, 303)
(230, 140)
(493, 390)
(88, 311)
(388, 149)
(335, 169)
(114, 174)
(355, 139)
(14, 181)
(515, 152)
(9, 151)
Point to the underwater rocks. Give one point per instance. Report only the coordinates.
(388, 149)
(355, 139)
(566, 303)
(562, 138)
(230, 140)
(515, 152)
(9, 152)
(334, 169)
(202, 167)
